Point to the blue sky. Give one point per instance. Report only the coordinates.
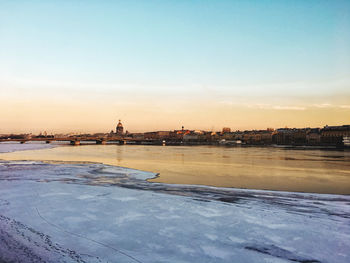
(223, 51)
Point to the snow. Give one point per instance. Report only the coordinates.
(12, 147)
(71, 212)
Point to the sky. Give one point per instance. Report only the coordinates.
(79, 66)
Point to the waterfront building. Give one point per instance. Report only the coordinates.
(138, 135)
(226, 130)
(157, 135)
(282, 136)
(163, 134)
(191, 137)
(299, 136)
(238, 135)
(346, 141)
(197, 137)
(179, 134)
(228, 136)
(256, 137)
(99, 134)
(313, 136)
(334, 135)
(266, 136)
(287, 136)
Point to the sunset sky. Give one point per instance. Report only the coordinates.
(79, 66)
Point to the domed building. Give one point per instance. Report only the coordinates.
(119, 129)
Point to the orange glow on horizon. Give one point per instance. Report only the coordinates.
(142, 114)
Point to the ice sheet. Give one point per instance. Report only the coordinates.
(54, 212)
(14, 146)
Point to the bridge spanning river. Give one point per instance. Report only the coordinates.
(76, 140)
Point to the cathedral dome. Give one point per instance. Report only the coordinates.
(119, 128)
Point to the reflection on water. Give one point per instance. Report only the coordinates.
(252, 167)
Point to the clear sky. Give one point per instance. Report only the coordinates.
(157, 65)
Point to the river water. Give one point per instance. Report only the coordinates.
(314, 171)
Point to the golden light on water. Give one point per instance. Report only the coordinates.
(253, 168)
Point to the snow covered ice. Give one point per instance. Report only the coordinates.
(72, 212)
(11, 147)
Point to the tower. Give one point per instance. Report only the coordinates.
(119, 129)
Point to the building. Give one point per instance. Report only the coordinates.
(334, 135)
(119, 129)
(283, 136)
(288, 136)
(138, 135)
(257, 137)
(179, 134)
(157, 135)
(346, 141)
(313, 136)
(226, 130)
(191, 137)
(299, 136)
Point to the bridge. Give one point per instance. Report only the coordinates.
(76, 140)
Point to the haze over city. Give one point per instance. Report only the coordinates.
(158, 65)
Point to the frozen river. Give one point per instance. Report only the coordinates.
(77, 211)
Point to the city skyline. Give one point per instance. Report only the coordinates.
(120, 129)
(73, 67)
